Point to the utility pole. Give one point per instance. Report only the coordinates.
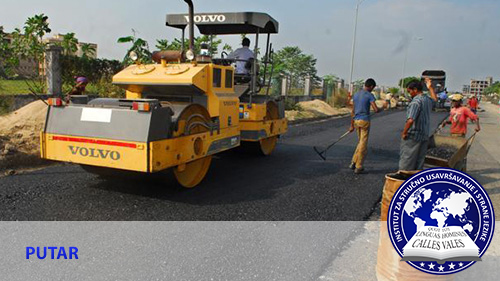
(354, 45)
(403, 71)
(404, 63)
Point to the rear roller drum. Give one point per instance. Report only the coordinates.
(268, 145)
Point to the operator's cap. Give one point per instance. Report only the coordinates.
(457, 97)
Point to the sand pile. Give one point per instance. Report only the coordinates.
(314, 109)
(382, 103)
(20, 135)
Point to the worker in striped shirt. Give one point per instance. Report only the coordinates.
(416, 133)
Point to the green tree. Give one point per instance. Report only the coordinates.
(98, 71)
(227, 48)
(407, 81)
(162, 45)
(291, 61)
(69, 44)
(7, 60)
(213, 42)
(88, 50)
(493, 89)
(28, 44)
(176, 44)
(393, 90)
(358, 85)
(330, 86)
(331, 79)
(139, 46)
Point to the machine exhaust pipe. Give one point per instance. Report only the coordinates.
(191, 24)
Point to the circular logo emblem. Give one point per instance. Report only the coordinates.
(441, 221)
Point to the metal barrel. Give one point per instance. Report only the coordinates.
(392, 183)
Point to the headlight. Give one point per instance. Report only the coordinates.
(133, 56)
(190, 55)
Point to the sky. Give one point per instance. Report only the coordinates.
(461, 37)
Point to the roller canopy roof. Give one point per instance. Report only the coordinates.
(438, 74)
(227, 23)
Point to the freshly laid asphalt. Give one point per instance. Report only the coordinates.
(293, 184)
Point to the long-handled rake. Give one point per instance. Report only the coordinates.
(322, 154)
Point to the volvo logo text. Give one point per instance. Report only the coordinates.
(94, 153)
(208, 18)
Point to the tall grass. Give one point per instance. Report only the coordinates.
(13, 87)
(339, 99)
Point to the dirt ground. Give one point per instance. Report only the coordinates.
(20, 136)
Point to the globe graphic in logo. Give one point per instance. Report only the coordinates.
(443, 205)
(441, 199)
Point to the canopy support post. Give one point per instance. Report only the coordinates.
(182, 42)
(266, 58)
(254, 68)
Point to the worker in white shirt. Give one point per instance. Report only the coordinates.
(242, 56)
(388, 98)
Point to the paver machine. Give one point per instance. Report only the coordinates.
(178, 112)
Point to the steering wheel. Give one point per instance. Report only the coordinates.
(224, 54)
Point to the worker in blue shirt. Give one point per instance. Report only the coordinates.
(443, 96)
(360, 122)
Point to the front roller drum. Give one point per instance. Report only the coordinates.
(193, 120)
(191, 174)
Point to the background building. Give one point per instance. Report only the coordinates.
(59, 38)
(466, 89)
(477, 86)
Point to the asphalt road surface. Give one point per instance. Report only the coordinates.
(293, 184)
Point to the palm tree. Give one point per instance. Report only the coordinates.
(37, 26)
(69, 44)
(162, 45)
(88, 50)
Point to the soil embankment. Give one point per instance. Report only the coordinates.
(20, 136)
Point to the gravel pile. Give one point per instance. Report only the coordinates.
(443, 152)
(398, 176)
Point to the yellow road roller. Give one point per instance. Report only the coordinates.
(178, 111)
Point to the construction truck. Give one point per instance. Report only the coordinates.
(178, 112)
(438, 78)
